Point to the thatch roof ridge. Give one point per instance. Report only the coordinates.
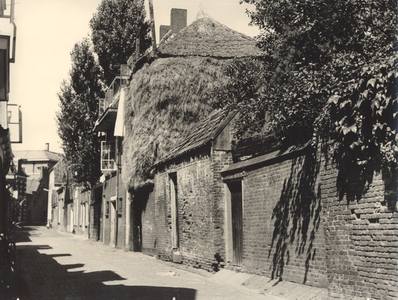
(209, 38)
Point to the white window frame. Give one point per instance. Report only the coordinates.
(108, 156)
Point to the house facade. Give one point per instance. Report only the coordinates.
(36, 165)
(7, 56)
(189, 197)
(109, 208)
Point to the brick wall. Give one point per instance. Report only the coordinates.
(200, 213)
(195, 213)
(283, 234)
(163, 30)
(220, 160)
(178, 19)
(163, 214)
(362, 238)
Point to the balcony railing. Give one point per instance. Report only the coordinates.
(114, 89)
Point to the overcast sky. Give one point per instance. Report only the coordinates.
(47, 32)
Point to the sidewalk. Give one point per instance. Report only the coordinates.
(62, 266)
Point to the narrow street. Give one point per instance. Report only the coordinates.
(54, 265)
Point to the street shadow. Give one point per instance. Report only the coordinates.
(43, 277)
(23, 234)
(297, 216)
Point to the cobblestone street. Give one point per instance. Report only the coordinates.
(61, 266)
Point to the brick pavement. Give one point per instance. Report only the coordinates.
(61, 266)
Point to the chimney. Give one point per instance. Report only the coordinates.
(47, 148)
(163, 30)
(178, 19)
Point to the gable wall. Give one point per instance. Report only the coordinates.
(200, 213)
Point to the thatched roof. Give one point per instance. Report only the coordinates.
(207, 37)
(165, 101)
(168, 97)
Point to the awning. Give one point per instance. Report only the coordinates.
(119, 125)
(106, 121)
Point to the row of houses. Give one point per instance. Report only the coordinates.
(10, 128)
(175, 185)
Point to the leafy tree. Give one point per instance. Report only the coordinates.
(114, 29)
(78, 112)
(311, 31)
(341, 51)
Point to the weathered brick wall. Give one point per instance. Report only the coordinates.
(200, 215)
(283, 234)
(362, 239)
(220, 160)
(163, 215)
(195, 213)
(178, 19)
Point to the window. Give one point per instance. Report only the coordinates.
(108, 156)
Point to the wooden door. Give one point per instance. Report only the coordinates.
(174, 211)
(237, 222)
(113, 217)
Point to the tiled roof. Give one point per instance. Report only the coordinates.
(205, 131)
(37, 155)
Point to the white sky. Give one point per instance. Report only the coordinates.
(47, 31)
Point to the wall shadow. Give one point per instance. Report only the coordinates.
(297, 216)
(42, 277)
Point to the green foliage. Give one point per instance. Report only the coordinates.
(114, 29)
(344, 51)
(244, 80)
(363, 117)
(310, 31)
(78, 112)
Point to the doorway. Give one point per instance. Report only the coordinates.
(236, 223)
(174, 210)
(113, 217)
